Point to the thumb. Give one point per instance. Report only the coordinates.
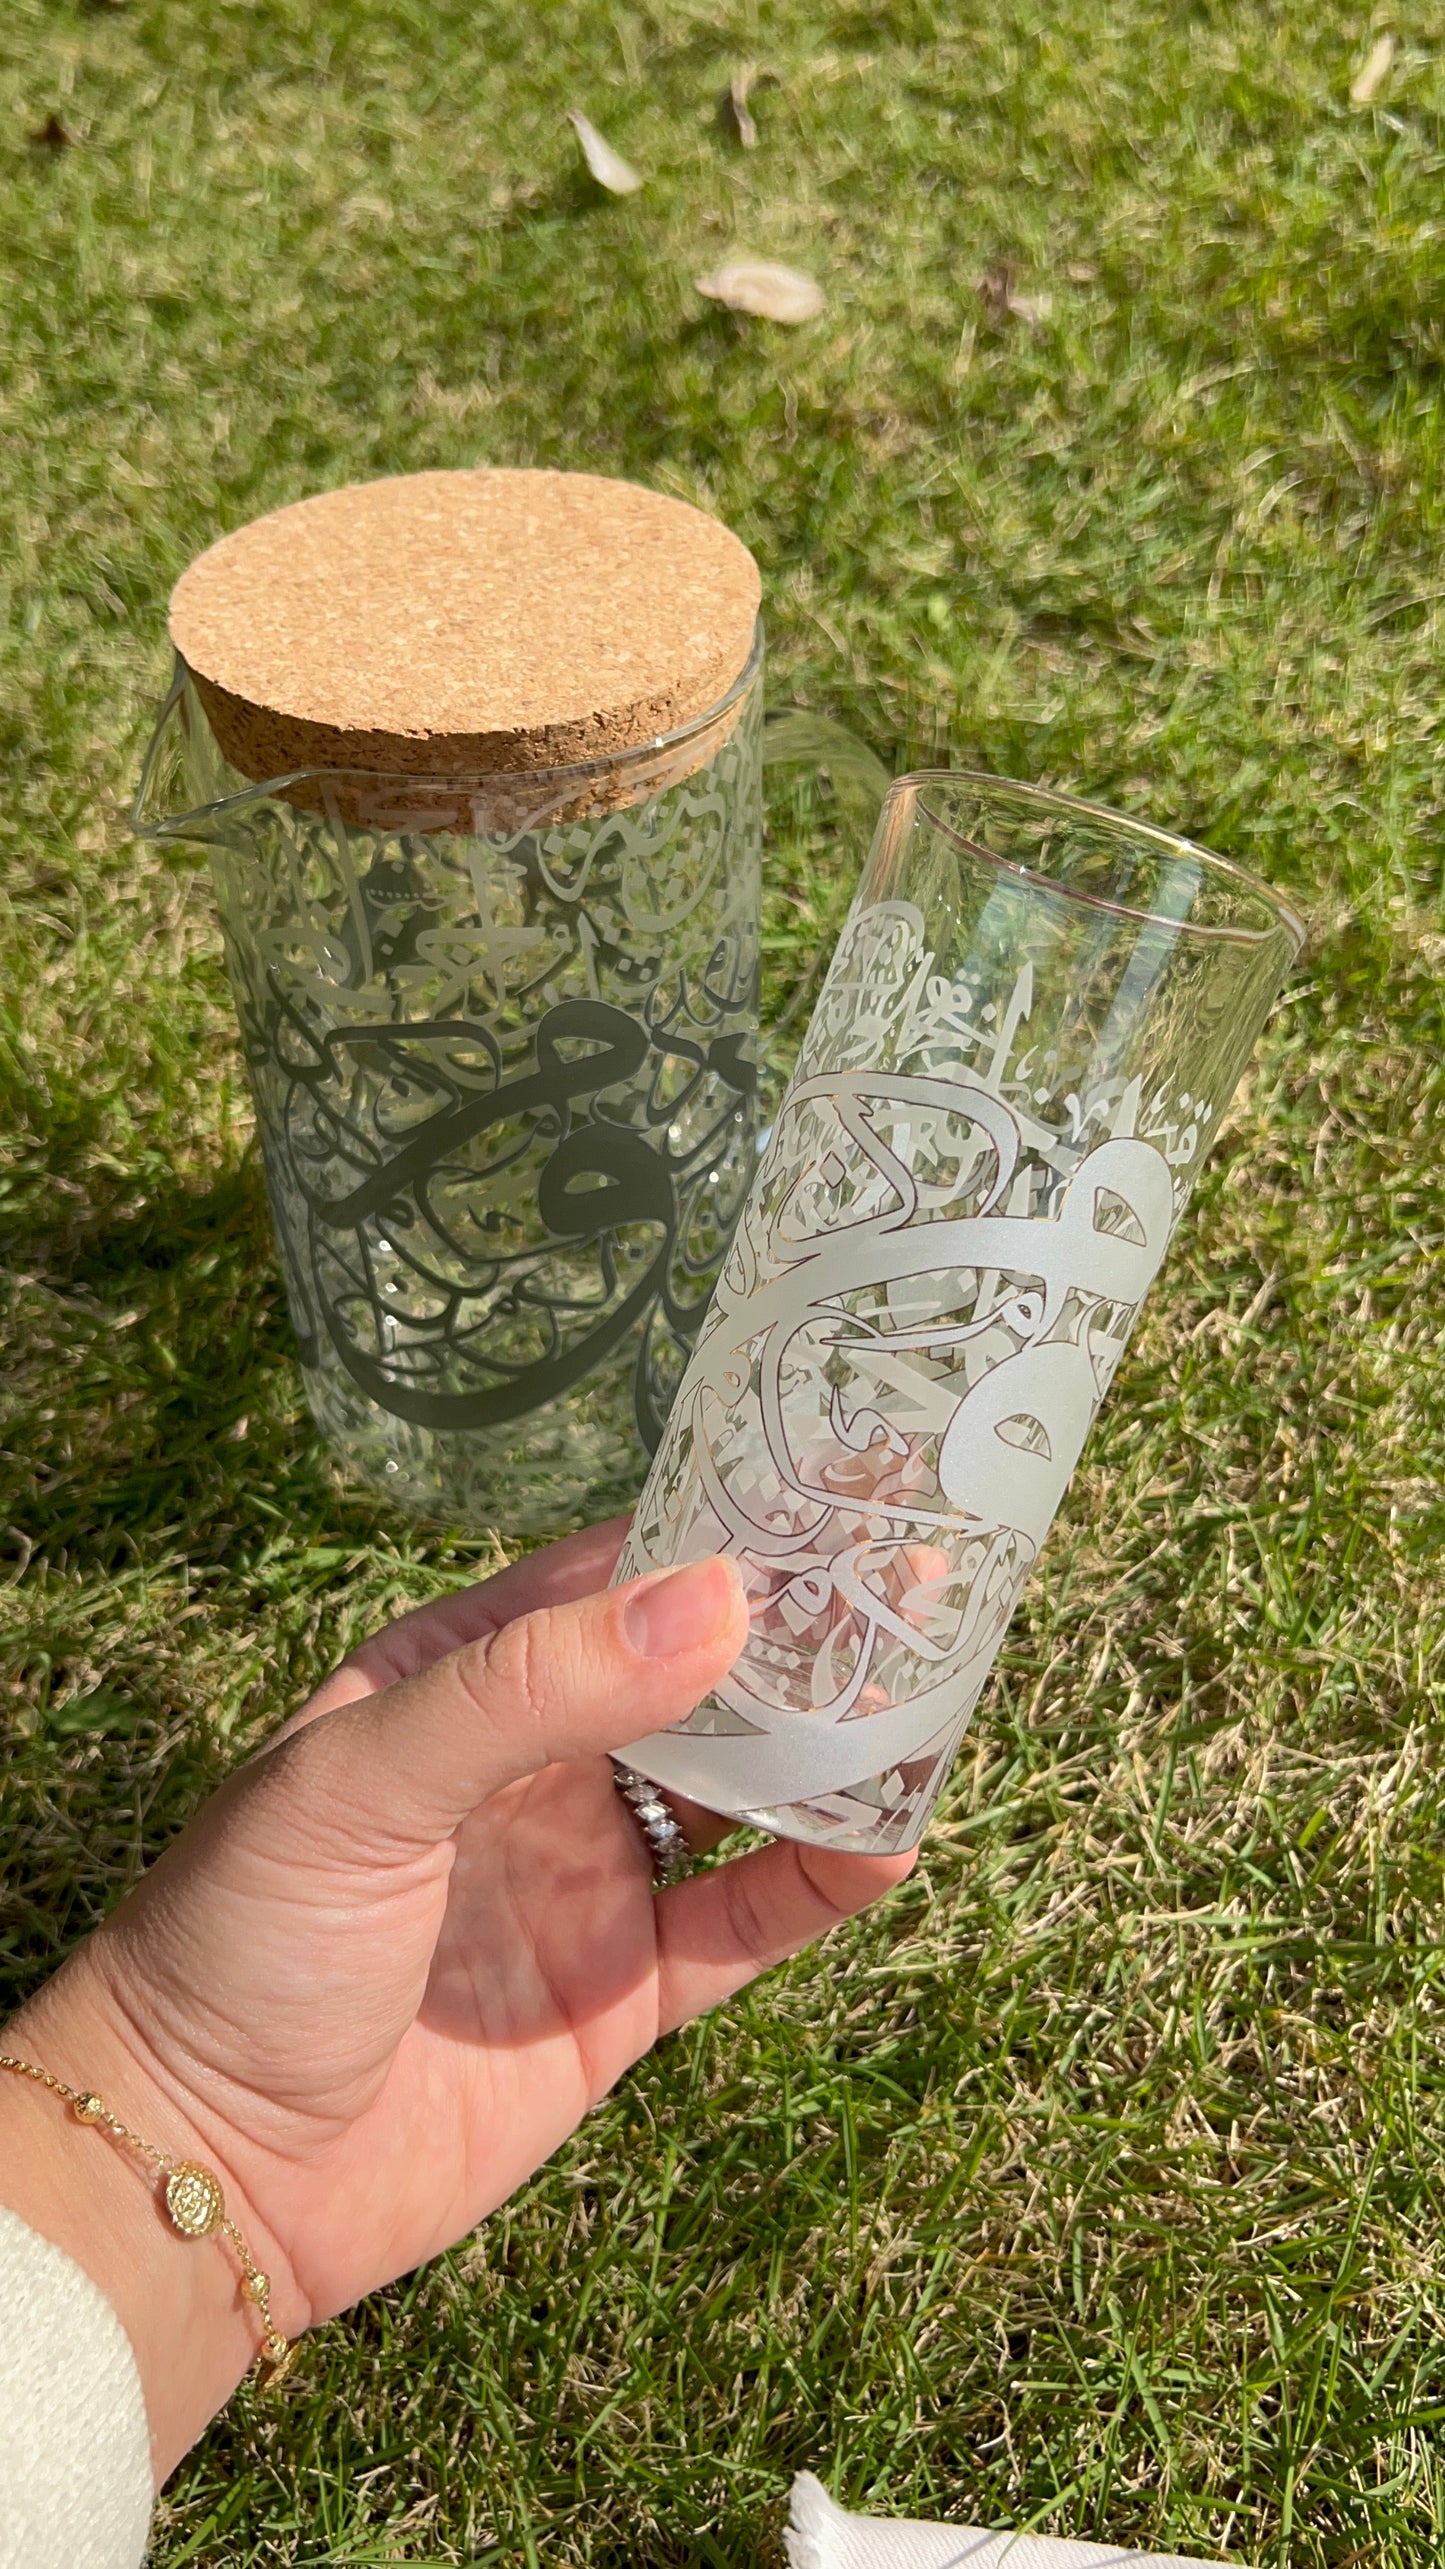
(400, 1770)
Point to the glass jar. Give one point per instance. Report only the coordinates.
(502, 1036)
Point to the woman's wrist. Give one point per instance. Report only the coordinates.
(193, 2332)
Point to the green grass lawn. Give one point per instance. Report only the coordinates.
(1100, 2185)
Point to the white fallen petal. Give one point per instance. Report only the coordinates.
(736, 111)
(1374, 71)
(608, 167)
(761, 287)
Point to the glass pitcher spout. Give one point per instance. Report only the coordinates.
(164, 807)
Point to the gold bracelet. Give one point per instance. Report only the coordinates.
(191, 2194)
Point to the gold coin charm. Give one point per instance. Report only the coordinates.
(194, 2200)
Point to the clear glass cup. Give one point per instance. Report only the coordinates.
(502, 1034)
(1034, 1021)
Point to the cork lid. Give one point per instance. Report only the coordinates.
(463, 623)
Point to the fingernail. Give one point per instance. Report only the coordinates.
(669, 1615)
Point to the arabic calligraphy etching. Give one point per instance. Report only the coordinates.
(930, 1290)
(506, 1089)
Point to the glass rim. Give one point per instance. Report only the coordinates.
(550, 783)
(1284, 918)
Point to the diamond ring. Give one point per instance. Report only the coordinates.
(671, 1855)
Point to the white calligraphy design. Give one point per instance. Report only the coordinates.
(925, 1303)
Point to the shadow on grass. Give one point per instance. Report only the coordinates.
(156, 1389)
(182, 1564)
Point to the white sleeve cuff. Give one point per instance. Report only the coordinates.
(75, 2463)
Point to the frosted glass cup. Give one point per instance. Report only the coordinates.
(502, 1035)
(1034, 1021)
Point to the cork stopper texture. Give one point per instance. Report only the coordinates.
(463, 624)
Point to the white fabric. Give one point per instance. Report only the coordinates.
(75, 2457)
(822, 2535)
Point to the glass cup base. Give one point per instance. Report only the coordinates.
(573, 1461)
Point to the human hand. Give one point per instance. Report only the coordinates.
(398, 1956)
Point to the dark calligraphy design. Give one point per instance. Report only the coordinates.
(478, 1244)
(507, 1097)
